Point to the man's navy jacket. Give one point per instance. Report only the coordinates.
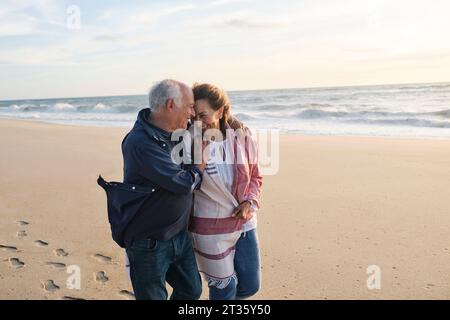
(156, 198)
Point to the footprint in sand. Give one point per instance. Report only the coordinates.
(102, 258)
(61, 253)
(8, 248)
(101, 277)
(49, 286)
(70, 298)
(56, 265)
(126, 294)
(16, 263)
(41, 243)
(23, 223)
(21, 234)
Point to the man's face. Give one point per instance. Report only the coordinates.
(185, 110)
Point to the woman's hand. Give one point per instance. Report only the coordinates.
(243, 211)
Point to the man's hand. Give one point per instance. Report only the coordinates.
(205, 155)
(243, 211)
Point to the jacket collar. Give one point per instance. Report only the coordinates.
(151, 130)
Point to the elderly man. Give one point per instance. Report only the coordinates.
(157, 242)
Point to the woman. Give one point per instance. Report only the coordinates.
(223, 225)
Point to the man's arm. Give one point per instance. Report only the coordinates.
(156, 165)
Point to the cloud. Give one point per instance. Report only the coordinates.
(415, 57)
(143, 18)
(226, 2)
(108, 38)
(135, 17)
(20, 18)
(16, 26)
(250, 23)
(181, 8)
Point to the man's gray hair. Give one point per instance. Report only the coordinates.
(163, 91)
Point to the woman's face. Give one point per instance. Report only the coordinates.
(209, 117)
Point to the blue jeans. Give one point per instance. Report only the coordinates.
(154, 262)
(247, 267)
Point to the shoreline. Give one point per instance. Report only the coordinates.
(281, 132)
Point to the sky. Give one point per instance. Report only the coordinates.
(59, 48)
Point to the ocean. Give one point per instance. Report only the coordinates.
(416, 110)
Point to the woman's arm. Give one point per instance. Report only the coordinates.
(254, 189)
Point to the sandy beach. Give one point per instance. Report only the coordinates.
(336, 206)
